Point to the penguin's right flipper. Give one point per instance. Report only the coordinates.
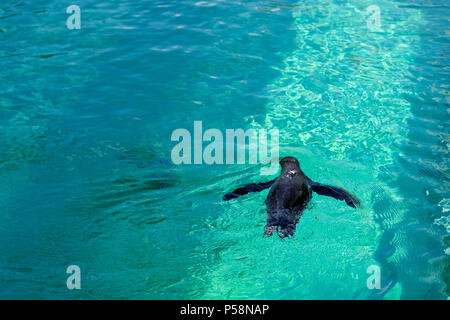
(252, 187)
(335, 192)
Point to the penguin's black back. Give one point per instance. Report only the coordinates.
(288, 192)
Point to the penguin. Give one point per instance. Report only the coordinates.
(288, 196)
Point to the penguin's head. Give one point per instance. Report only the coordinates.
(289, 162)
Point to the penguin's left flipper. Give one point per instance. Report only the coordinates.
(252, 187)
(335, 192)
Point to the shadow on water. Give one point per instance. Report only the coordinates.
(412, 250)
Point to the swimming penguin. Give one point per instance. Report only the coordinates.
(288, 196)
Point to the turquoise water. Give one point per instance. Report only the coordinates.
(86, 118)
